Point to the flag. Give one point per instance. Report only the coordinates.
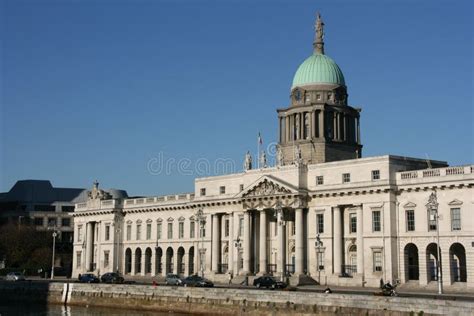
(260, 138)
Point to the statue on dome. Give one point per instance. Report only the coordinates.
(248, 161)
(319, 36)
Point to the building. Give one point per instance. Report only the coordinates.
(323, 213)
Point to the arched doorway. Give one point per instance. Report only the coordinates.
(128, 261)
(148, 261)
(180, 258)
(412, 270)
(191, 261)
(138, 261)
(457, 261)
(432, 262)
(169, 260)
(158, 260)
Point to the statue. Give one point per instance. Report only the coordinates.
(279, 157)
(248, 161)
(98, 194)
(319, 37)
(263, 159)
(298, 155)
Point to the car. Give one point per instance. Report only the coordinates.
(88, 278)
(197, 281)
(15, 276)
(111, 277)
(268, 282)
(173, 279)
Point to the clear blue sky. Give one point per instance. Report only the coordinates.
(95, 89)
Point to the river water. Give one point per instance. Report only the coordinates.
(59, 310)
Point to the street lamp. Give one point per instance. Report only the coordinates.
(202, 222)
(117, 237)
(238, 245)
(433, 210)
(55, 233)
(318, 243)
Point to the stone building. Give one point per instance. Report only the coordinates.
(321, 214)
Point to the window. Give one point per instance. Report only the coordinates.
(222, 190)
(319, 223)
(226, 228)
(410, 218)
(353, 222)
(51, 221)
(376, 221)
(148, 231)
(79, 233)
(319, 180)
(39, 221)
(158, 231)
(377, 261)
(241, 226)
(346, 177)
(203, 191)
(78, 259)
(181, 230)
(139, 231)
(107, 232)
(129, 232)
(241, 187)
(106, 258)
(203, 230)
(170, 230)
(375, 174)
(65, 222)
(67, 208)
(455, 219)
(318, 96)
(192, 228)
(431, 220)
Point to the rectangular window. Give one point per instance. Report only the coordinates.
(148, 231)
(376, 221)
(202, 230)
(346, 177)
(353, 222)
(226, 228)
(67, 208)
(222, 190)
(375, 174)
(106, 258)
(203, 191)
(107, 232)
(129, 232)
(79, 233)
(241, 226)
(319, 223)
(431, 220)
(52, 221)
(181, 230)
(139, 231)
(66, 222)
(170, 230)
(319, 180)
(455, 219)
(78, 259)
(410, 218)
(192, 232)
(241, 187)
(158, 231)
(377, 261)
(39, 221)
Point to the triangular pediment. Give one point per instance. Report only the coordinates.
(409, 205)
(455, 202)
(266, 186)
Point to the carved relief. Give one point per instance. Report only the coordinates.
(266, 188)
(98, 194)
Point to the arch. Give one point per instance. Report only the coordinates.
(180, 258)
(158, 260)
(147, 263)
(412, 269)
(169, 260)
(432, 262)
(128, 261)
(352, 256)
(191, 260)
(457, 262)
(138, 261)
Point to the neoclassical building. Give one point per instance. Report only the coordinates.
(323, 213)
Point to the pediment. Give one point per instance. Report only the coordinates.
(170, 219)
(455, 202)
(181, 219)
(266, 186)
(409, 205)
(159, 220)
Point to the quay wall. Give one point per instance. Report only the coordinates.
(220, 301)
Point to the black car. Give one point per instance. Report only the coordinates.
(268, 282)
(111, 277)
(197, 281)
(88, 278)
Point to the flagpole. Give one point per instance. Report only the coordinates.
(258, 150)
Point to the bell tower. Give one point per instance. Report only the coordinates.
(319, 125)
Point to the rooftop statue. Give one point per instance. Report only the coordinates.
(248, 161)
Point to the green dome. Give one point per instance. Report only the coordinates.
(316, 69)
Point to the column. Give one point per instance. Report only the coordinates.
(216, 241)
(321, 123)
(302, 125)
(175, 261)
(263, 242)
(143, 265)
(313, 124)
(299, 255)
(186, 263)
(344, 119)
(230, 263)
(287, 129)
(360, 241)
(89, 245)
(281, 247)
(337, 240)
(358, 130)
(246, 243)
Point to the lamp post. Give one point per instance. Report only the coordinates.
(238, 245)
(433, 210)
(318, 243)
(55, 234)
(202, 222)
(117, 237)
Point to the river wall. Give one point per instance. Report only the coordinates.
(219, 301)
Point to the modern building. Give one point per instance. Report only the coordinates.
(323, 213)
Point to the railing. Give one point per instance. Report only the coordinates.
(431, 173)
(438, 172)
(169, 268)
(348, 270)
(454, 170)
(166, 198)
(223, 268)
(290, 268)
(181, 268)
(409, 175)
(271, 268)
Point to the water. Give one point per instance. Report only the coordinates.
(59, 310)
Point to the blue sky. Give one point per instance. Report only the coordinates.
(99, 89)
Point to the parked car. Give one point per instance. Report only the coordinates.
(88, 278)
(111, 277)
(268, 282)
(173, 279)
(197, 281)
(15, 276)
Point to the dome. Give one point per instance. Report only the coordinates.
(318, 69)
